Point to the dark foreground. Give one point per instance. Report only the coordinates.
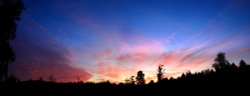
(224, 80)
(41, 88)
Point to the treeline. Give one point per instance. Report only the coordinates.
(224, 76)
(220, 72)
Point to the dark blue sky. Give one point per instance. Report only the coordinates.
(109, 39)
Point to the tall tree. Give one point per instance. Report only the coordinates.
(160, 73)
(140, 78)
(220, 61)
(10, 11)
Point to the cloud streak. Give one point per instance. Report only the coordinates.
(123, 60)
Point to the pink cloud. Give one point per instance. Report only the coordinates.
(126, 59)
(145, 47)
(120, 63)
(112, 71)
(144, 53)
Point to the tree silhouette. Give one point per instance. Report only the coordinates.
(130, 80)
(10, 11)
(160, 73)
(242, 64)
(220, 61)
(230, 75)
(244, 70)
(140, 78)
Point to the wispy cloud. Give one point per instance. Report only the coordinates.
(113, 47)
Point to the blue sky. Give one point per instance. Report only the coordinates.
(96, 36)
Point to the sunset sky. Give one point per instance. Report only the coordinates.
(95, 40)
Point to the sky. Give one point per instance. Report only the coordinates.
(96, 40)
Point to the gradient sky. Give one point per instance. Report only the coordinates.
(94, 40)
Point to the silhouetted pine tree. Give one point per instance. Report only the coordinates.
(10, 11)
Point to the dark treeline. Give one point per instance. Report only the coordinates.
(224, 77)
